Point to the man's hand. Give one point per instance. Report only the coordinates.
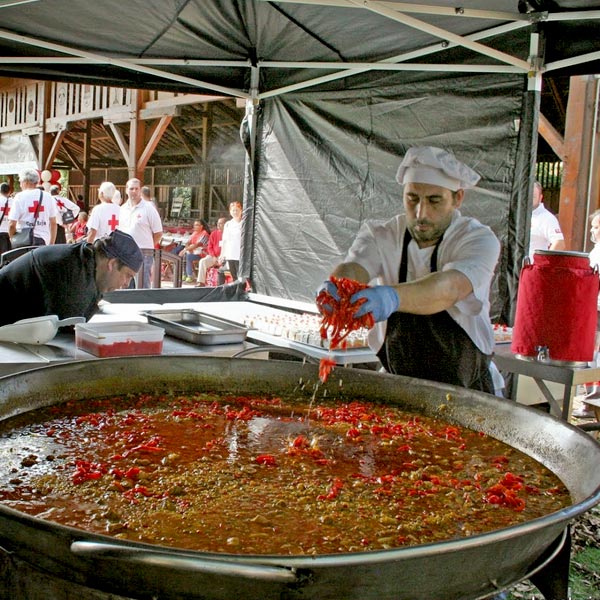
(381, 301)
(331, 289)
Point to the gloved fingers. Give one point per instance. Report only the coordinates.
(381, 301)
(329, 287)
(361, 298)
(327, 294)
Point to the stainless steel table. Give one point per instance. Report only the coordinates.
(238, 312)
(21, 357)
(541, 372)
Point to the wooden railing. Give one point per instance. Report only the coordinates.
(22, 105)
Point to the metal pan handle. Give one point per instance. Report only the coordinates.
(191, 564)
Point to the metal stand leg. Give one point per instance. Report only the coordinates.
(553, 579)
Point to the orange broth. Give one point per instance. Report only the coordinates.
(266, 475)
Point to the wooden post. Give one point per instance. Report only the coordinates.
(579, 187)
(137, 131)
(87, 152)
(205, 172)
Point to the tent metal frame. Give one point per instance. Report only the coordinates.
(396, 11)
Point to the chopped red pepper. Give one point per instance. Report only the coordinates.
(336, 485)
(266, 459)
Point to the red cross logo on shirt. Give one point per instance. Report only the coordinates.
(113, 222)
(60, 204)
(33, 208)
(5, 209)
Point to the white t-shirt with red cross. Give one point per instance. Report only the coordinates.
(104, 218)
(23, 210)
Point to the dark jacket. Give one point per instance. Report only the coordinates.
(50, 280)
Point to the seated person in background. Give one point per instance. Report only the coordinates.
(67, 280)
(213, 252)
(195, 248)
(79, 228)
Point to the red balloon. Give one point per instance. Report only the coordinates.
(55, 176)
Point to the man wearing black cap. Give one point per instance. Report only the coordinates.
(432, 312)
(67, 280)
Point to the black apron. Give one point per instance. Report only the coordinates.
(433, 347)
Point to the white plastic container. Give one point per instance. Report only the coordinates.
(126, 338)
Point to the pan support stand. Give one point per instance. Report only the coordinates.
(552, 579)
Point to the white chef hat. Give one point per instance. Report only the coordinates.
(428, 164)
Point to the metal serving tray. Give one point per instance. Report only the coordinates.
(196, 327)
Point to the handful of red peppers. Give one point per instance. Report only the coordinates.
(338, 319)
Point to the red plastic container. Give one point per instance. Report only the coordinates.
(128, 338)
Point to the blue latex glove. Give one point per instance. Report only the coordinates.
(381, 301)
(332, 290)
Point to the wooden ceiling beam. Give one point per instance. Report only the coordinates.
(54, 148)
(72, 157)
(554, 139)
(183, 138)
(155, 137)
(120, 141)
(557, 97)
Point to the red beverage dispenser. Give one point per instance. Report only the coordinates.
(556, 312)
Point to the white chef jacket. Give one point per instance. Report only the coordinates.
(467, 246)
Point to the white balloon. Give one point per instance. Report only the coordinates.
(46, 185)
(46, 175)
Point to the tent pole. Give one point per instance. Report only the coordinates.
(248, 134)
(516, 247)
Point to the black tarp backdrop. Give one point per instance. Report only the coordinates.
(312, 197)
(325, 156)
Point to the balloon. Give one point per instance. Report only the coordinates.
(46, 175)
(46, 185)
(55, 176)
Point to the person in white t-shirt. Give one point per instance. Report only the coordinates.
(5, 202)
(545, 233)
(24, 207)
(105, 216)
(140, 219)
(63, 205)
